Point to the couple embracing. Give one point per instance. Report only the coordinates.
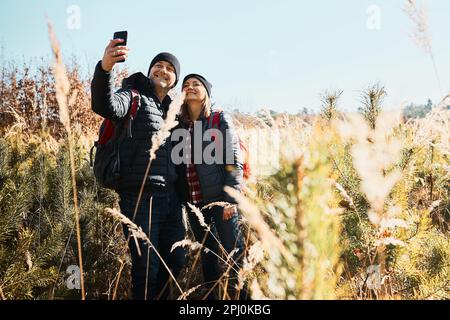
(171, 185)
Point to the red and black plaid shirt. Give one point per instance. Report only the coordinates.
(195, 193)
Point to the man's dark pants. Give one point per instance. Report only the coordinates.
(166, 228)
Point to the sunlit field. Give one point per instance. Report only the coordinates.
(339, 205)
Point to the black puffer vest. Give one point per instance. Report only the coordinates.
(134, 150)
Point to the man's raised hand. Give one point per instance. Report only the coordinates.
(113, 54)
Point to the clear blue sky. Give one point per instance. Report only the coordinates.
(265, 53)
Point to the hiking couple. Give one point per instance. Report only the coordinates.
(170, 186)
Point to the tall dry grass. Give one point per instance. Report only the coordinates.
(356, 206)
(65, 98)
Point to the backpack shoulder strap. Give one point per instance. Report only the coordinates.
(106, 132)
(135, 103)
(210, 119)
(214, 119)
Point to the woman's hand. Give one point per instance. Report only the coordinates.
(113, 54)
(229, 211)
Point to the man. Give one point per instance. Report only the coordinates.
(149, 276)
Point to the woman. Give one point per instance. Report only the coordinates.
(204, 183)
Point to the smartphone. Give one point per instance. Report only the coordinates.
(121, 35)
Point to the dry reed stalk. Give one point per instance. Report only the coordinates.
(197, 246)
(193, 245)
(62, 87)
(302, 234)
(349, 201)
(255, 256)
(269, 240)
(148, 249)
(196, 259)
(200, 217)
(214, 204)
(159, 138)
(420, 34)
(224, 275)
(225, 285)
(202, 222)
(188, 292)
(116, 285)
(133, 228)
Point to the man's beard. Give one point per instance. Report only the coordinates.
(160, 83)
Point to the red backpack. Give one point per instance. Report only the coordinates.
(214, 122)
(106, 163)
